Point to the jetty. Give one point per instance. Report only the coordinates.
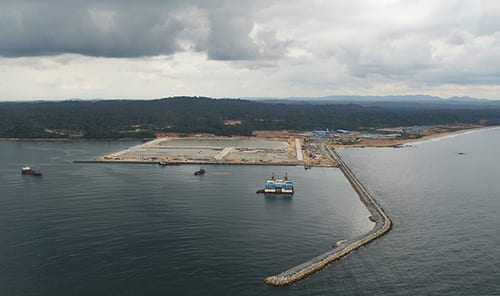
(382, 225)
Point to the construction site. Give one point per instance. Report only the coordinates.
(225, 150)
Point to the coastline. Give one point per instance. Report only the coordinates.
(71, 140)
(276, 136)
(222, 150)
(440, 136)
(224, 156)
(183, 163)
(410, 142)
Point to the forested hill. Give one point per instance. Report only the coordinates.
(142, 119)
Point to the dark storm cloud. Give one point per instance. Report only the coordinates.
(128, 28)
(232, 40)
(38, 28)
(288, 48)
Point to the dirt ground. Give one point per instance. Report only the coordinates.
(265, 147)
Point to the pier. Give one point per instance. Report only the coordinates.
(223, 153)
(382, 225)
(298, 147)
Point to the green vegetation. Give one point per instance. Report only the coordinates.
(142, 119)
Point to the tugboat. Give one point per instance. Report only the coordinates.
(278, 186)
(26, 170)
(200, 172)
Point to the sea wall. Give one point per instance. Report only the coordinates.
(382, 225)
(183, 162)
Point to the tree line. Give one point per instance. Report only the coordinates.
(142, 119)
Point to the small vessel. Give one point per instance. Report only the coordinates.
(278, 186)
(164, 163)
(199, 172)
(26, 170)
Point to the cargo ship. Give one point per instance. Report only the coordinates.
(26, 170)
(278, 186)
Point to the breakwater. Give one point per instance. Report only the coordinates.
(382, 225)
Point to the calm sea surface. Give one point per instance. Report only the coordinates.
(118, 229)
(130, 229)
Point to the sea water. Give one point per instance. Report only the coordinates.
(135, 229)
(124, 229)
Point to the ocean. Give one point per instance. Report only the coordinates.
(129, 229)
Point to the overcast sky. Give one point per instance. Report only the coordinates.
(152, 49)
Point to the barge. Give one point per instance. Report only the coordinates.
(278, 186)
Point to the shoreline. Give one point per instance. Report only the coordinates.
(380, 143)
(220, 150)
(383, 224)
(440, 136)
(410, 142)
(185, 163)
(72, 140)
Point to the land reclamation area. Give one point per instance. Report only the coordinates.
(272, 147)
(217, 150)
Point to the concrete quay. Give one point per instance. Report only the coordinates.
(382, 225)
(186, 162)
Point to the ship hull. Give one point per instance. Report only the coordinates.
(26, 170)
(278, 191)
(199, 173)
(32, 173)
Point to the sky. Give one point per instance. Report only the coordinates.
(62, 49)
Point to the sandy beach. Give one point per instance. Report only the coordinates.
(430, 136)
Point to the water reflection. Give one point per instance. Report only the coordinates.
(277, 199)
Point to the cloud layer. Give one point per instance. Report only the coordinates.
(133, 29)
(263, 48)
